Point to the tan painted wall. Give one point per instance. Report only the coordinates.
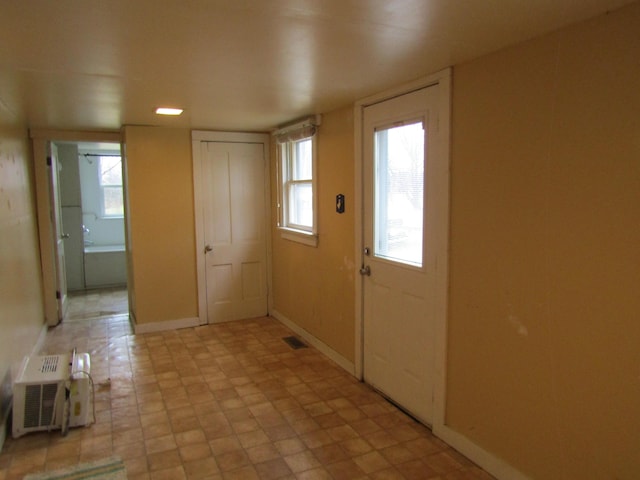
(544, 326)
(161, 223)
(314, 287)
(21, 307)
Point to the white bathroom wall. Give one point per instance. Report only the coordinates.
(71, 202)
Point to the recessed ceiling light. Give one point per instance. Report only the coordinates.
(169, 111)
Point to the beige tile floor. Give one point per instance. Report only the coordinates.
(85, 305)
(230, 401)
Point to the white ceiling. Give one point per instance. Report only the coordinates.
(241, 64)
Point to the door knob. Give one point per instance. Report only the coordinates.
(208, 249)
(365, 270)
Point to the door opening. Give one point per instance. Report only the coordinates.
(93, 218)
(62, 214)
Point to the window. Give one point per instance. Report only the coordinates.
(110, 181)
(399, 193)
(297, 190)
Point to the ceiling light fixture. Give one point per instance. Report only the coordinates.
(169, 111)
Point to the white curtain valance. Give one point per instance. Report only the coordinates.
(297, 131)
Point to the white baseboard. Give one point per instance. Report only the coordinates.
(166, 325)
(317, 343)
(484, 459)
(481, 457)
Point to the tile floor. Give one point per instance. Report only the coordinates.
(85, 305)
(230, 401)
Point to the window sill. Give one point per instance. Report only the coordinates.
(305, 238)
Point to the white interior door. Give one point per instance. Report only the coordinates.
(398, 258)
(58, 231)
(234, 203)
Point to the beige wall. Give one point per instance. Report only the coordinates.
(543, 357)
(21, 307)
(314, 287)
(544, 325)
(161, 223)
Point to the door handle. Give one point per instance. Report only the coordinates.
(208, 249)
(365, 270)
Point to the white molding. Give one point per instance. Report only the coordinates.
(196, 151)
(419, 84)
(197, 137)
(358, 203)
(234, 137)
(316, 342)
(484, 459)
(166, 325)
(441, 239)
(309, 239)
(45, 231)
(108, 136)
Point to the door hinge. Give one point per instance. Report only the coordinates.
(48, 161)
(57, 294)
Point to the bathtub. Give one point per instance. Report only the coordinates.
(105, 266)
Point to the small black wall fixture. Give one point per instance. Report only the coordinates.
(340, 203)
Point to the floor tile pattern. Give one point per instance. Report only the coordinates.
(89, 304)
(230, 401)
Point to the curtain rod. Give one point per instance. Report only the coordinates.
(98, 155)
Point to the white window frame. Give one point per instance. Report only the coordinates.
(286, 139)
(102, 187)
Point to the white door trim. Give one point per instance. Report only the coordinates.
(197, 137)
(40, 139)
(443, 79)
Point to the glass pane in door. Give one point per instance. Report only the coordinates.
(399, 193)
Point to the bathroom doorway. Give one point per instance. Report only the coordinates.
(92, 209)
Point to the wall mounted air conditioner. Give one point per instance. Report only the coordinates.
(52, 392)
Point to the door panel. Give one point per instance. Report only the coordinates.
(234, 230)
(59, 235)
(398, 301)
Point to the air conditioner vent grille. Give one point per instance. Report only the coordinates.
(32, 406)
(49, 392)
(49, 364)
(39, 403)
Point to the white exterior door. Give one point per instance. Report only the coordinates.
(234, 203)
(398, 251)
